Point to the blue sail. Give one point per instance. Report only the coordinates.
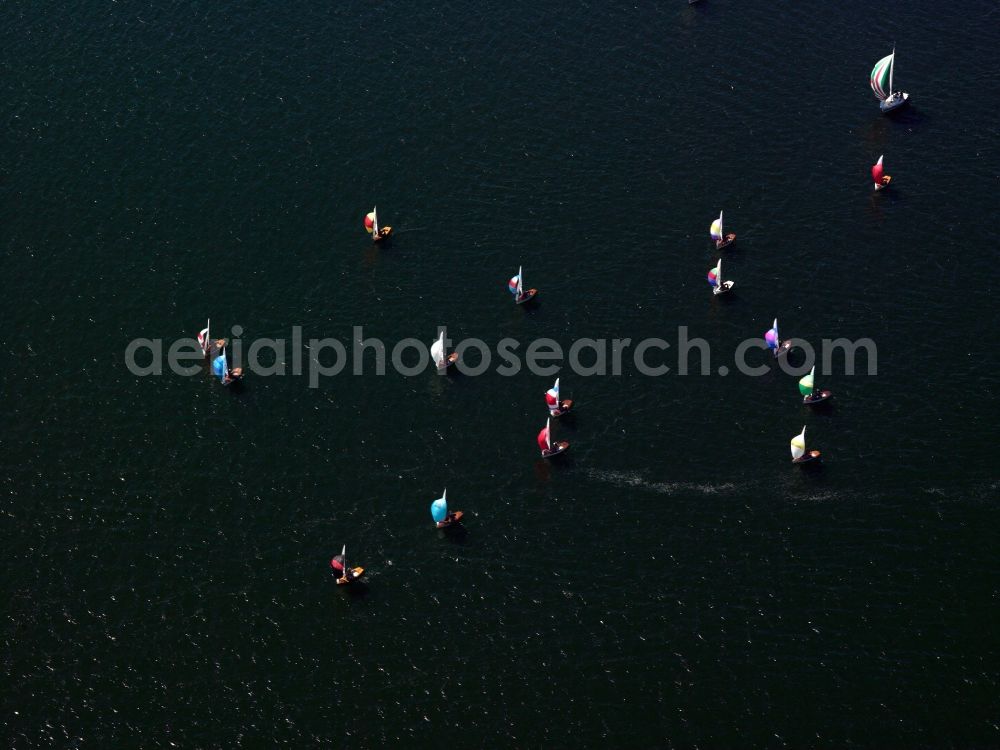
(439, 510)
(219, 365)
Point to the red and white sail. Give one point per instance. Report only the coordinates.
(878, 171)
(552, 397)
(203, 339)
(544, 441)
(339, 562)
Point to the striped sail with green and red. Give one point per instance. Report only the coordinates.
(880, 77)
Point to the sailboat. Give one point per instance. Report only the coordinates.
(807, 387)
(718, 234)
(371, 226)
(548, 448)
(439, 512)
(881, 83)
(347, 575)
(442, 361)
(715, 280)
(879, 176)
(204, 341)
(225, 374)
(774, 343)
(799, 454)
(556, 407)
(516, 287)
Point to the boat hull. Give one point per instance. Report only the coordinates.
(724, 287)
(884, 184)
(783, 348)
(564, 407)
(526, 297)
(450, 360)
(451, 520)
(233, 379)
(346, 580)
(894, 102)
(726, 242)
(557, 450)
(808, 458)
(816, 398)
(383, 234)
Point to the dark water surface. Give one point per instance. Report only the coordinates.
(675, 582)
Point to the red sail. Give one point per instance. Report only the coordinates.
(337, 563)
(877, 172)
(543, 439)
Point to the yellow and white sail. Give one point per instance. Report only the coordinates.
(799, 444)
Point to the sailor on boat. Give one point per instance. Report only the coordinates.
(799, 453)
(441, 360)
(718, 234)
(545, 444)
(807, 387)
(557, 406)
(442, 517)
(371, 226)
(715, 280)
(774, 343)
(516, 287)
(881, 83)
(348, 575)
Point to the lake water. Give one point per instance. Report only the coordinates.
(674, 582)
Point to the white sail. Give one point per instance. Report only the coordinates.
(375, 221)
(548, 432)
(722, 232)
(437, 350)
(718, 275)
(777, 338)
(343, 558)
(799, 444)
(520, 282)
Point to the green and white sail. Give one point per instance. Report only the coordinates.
(881, 78)
(807, 384)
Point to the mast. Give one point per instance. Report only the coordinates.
(208, 337)
(892, 64)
